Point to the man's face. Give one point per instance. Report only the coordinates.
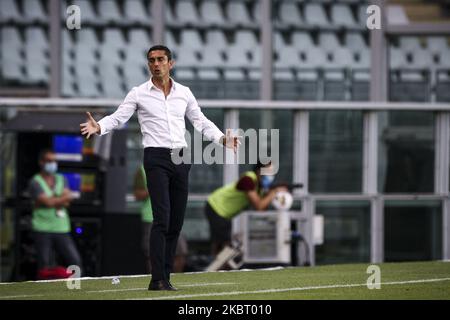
(159, 64)
(48, 157)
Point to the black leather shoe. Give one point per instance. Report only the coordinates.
(160, 285)
(170, 285)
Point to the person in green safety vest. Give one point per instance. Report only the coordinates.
(230, 200)
(141, 194)
(50, 218)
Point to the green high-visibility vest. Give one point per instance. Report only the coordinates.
(146, 208)
(50, 219)
(228, 201)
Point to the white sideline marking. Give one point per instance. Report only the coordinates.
(233, 293)
(22, 296)
(180, 285)
(140, 276)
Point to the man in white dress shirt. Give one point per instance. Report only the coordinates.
(161, 105)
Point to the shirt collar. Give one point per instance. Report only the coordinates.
(151, 85)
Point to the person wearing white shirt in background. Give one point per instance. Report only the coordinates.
(161, 105)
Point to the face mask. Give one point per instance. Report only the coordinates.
(267, 180)
(51, 167)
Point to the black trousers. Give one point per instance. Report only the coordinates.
(168, 189)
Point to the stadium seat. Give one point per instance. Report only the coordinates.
(211, 14)
(355, 41)
(362, 15)
(186, 13)
(139, 39)
(302, 40)
(328, 41)
(409, 43)
(289, 15)
(111, 82)
(9, 12)
(315, 15)
(437, 45)
(36, 55)
(216, 39)
(33, 12)
(169, 40)
(191, 39)
(88, 12)
(109, 12)
(238, 15)
(11, 55)
(135, 11)
(135, 75)
(245, 39)
(67, 86)
(341, 16)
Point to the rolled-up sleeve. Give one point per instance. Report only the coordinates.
(121, 115)
(199, 120)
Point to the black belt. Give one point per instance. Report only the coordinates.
(170, 151)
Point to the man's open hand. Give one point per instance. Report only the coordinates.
(90, 127)
(230, 141)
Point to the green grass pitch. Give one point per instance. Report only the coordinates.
(419, 280)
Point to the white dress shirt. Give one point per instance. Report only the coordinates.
(162, 118)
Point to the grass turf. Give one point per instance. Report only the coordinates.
(398, 281)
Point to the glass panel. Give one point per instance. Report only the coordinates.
(347, 232)
(335, 151)
(217, 47)
(321, 50)
(270, 119)
(406, 152)
(413, 230)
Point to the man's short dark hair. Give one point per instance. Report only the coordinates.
(160, 47)
(44, 152)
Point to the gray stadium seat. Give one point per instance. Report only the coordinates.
(169, 40)
(36, 55)
(191, 39)
(397, 58)
(302, 40)
(186, 60)
(9, 11)
(237, 14)
(409, 43)
(362, 15)
(67, 86)
(245, 39)
(111, 82)
(135, 75)
(211, 14)
(437, 44)
(135, 11)
(34, 12)
(216, 39)
(88, 12)
(109, 12)
(236, 60)
(187, 13)
(11, 55)
(341, 16)
(328, 41)
(315, 15)
(289, 15)
(139, 39)
(355, 41)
